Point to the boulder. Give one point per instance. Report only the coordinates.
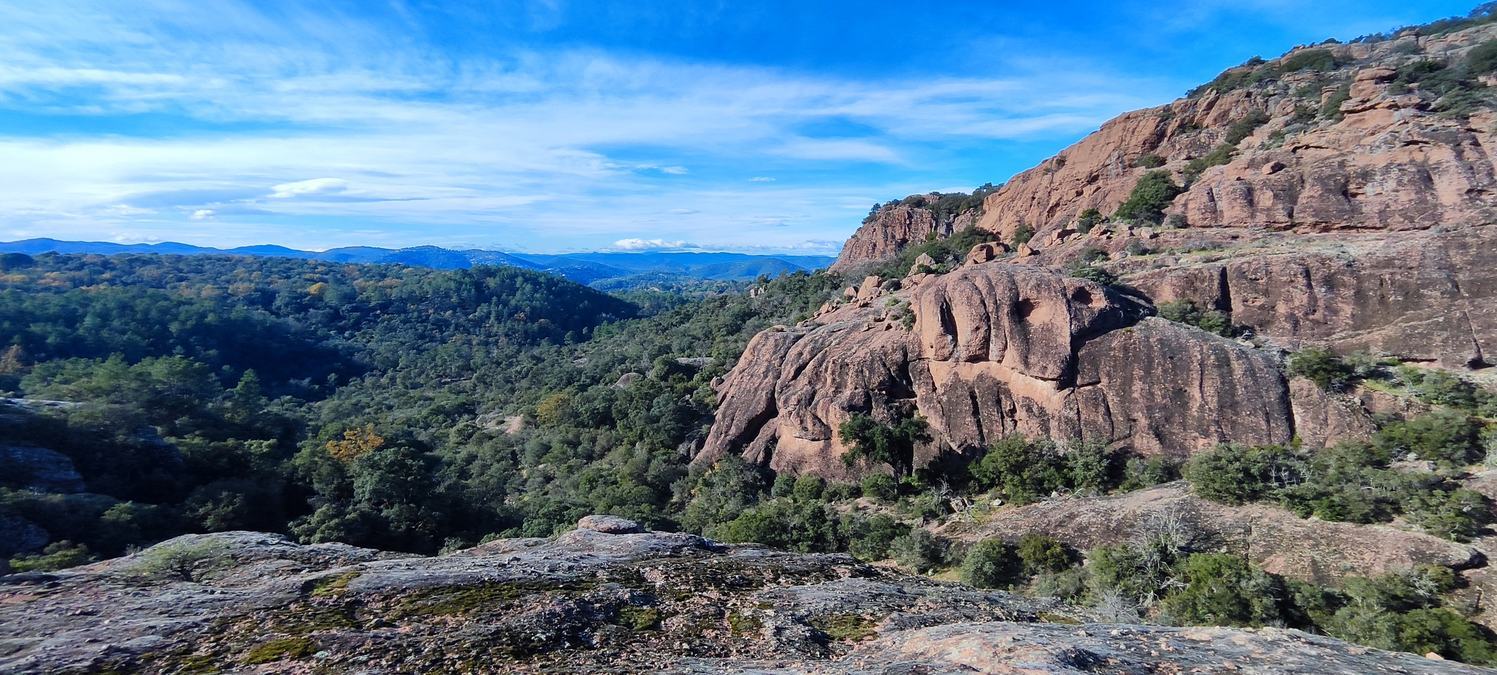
(609, 525)
(985, 252)
(33, 468)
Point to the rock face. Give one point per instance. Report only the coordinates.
(34, 468)
(1390, 162)
(1331, 204)
(1422, 297)
(587, 601)
(996, 349)
(893, 227)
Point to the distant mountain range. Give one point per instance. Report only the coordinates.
(584, 268)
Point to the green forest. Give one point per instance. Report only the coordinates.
(425, 411)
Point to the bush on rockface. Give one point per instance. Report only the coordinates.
(1186, 312)
(1321, 366)
(1154, 191)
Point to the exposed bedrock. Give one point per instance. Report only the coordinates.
(998, 349)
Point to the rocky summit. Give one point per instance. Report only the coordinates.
(605, 597)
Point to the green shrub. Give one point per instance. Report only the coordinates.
(870, 539)
(1149, 161)
(1186, 312)
(1309, 59)
(919, 550)
(1331, 108)
(1090, 468)
(1088, 219)
(1022, 234)
(881, 488)
(1154, 191)
(1242, 128)
(57, 555)
(808, 487)
(790, 524)
(1445, 436)
(1093, 274)
(840, 492)
(1321, 366)
(1040, 553)
(722, 493)
(892, 445)
(1482, 59)
(1026, 471)
(1144, 472)
(1224, 590)
(992, 563)
(1219, 155)
(1458, 515)
(1403, 612)
(1069, 585)
(1233, 474)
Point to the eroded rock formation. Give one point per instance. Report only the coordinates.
(996, 349)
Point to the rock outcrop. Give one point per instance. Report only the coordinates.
(1385, 159)
(894, 226)
(587, 601)
(996, 349)
(1326, 198)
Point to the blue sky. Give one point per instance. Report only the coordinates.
(560, 126)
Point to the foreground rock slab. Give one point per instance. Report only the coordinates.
(586, 601)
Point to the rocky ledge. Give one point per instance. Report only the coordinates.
(607, 596)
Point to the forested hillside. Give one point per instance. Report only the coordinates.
(387, 406)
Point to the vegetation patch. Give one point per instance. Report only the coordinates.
(744, 625)
(331, 586)
(1154, 191)
(638, 618)
(845, 627)
(282, 649)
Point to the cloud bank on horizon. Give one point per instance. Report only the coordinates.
(548, 125)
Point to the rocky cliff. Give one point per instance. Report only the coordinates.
(892, 227)
(993, 349)
(605, 597)
(1342, 195)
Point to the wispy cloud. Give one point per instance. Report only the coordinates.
(650, 245)
(277, 119)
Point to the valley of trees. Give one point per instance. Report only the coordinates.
(423, 411)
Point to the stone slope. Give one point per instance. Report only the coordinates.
(607, 597)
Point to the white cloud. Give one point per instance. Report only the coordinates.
(649, 245)
(314, 186)
(519, 146)
(203, 214)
